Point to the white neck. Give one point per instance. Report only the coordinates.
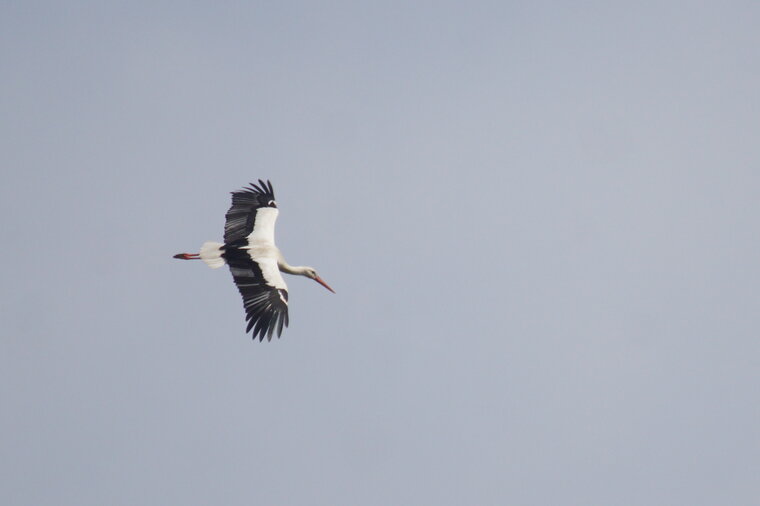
(299, 270)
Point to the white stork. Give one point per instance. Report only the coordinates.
(254, 260)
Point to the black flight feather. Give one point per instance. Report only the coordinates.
(241, 216)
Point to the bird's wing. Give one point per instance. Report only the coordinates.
(247, 204)
(265, 295)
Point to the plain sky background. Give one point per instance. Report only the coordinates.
(541, 220)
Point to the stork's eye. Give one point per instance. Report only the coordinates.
(272, 203)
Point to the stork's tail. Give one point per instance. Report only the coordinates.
(211, 253)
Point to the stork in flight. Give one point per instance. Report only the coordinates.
(254, 260)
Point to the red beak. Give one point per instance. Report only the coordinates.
(322, 282)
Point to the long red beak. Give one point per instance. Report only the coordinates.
(322, 282)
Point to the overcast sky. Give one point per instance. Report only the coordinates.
(540, 218)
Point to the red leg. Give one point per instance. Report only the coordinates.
(188, 256)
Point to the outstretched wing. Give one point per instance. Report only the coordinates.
(246, 203)
(265, 295)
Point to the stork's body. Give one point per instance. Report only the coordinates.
(254, 260)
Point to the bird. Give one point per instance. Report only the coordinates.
(254, 260)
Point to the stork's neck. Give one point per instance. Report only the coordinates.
(299, 270)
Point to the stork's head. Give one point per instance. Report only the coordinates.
(310, 272)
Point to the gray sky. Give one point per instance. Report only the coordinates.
(541, 220)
